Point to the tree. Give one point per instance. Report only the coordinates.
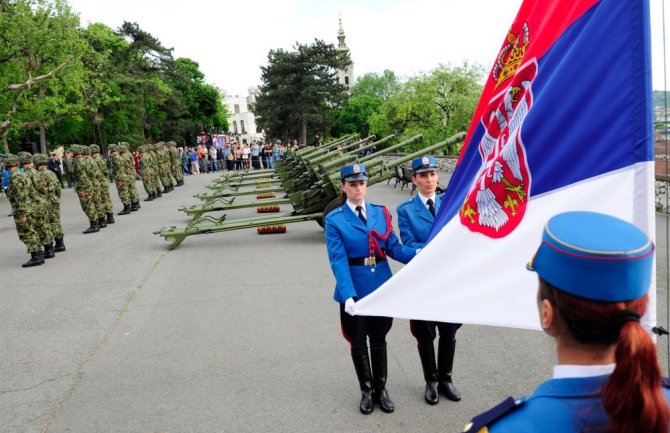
(300, 90)
(380, 87)
(41, 72)
(437, 104)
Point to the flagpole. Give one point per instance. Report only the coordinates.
(667, 222)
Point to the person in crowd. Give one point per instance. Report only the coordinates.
(228, 157)
(359, 236)
(193, 158)
(212, 159)
(183, 158)
(594, 274)
(68, 168)
(415, 220)
(54, 164)
(255, 151)
(219, 157)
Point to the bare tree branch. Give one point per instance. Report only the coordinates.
(32, 80)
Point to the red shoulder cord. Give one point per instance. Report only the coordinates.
(373, 235)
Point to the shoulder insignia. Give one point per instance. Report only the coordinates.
(480, 423)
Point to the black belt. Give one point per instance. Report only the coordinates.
(365, 261)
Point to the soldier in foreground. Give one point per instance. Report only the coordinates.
(129, 175)
(594, 274)
(26, 205)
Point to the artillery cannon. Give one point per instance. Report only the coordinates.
(311, 205)
(310, 179)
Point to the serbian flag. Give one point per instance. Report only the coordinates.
(564, 123)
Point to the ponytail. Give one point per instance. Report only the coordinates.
(633, 394)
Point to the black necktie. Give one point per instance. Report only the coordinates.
(431, 208)
(359, 209)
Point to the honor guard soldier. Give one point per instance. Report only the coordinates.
(359, 236)
(51, 191)
(594, 274)
(415, 220)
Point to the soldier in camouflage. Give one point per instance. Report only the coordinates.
(103, 184)
(164, 164)
(122, 185)
(27, 205)
(147, 172)
(175, 163)
(86, 186)
(129, 175)
(51, 190)
(155, 165)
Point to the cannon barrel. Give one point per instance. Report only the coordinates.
(373, 144)
(309, 149)
(387, 171)
(324, 155)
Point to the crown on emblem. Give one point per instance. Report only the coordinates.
(425, 161)
(511, 55)
(357, 168)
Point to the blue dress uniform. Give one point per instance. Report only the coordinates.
(358, 272)
(598, 258)
(415, 223)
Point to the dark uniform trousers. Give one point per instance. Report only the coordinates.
(356, 328)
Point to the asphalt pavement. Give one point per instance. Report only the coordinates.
(229, 332)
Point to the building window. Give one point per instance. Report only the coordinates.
(244, 131)
(236, 108)
(235, 127)
(346, 80)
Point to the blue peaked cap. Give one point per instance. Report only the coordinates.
(595, 256)
(353, 172)
(423, 164)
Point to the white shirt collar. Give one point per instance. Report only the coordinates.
(568, 371)
(353, 209)
(425, 199)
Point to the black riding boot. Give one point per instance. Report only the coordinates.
(49, 251)
(36, 259)
(135, 206)
(379, 369)
(362, 366)
(427, 355)
(445, 364)
(60, 246)
(126, 210)
(101, 223)
(92, 228)
(110, 218)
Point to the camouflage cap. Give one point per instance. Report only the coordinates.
(40, 159)
(74, 148)
(113, 147)
(11, 160)
(141, 148)
(25, 158)
(84, 150)
(172, 144)
(94, 148)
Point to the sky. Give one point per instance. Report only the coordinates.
(231, 40)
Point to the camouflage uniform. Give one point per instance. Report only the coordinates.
(165, 170)
(155, 167)
(175, 163)
(147, 172)
(129, 174)
(102, 174)
(27, 208)
(51, 190)
(86, 187)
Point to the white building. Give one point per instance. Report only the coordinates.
(345, 76)
(242, 122)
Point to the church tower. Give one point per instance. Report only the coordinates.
(345, 76)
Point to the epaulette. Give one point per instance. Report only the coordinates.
(406, 202)
(482, 421)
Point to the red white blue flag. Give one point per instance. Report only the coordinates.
(564, 123)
